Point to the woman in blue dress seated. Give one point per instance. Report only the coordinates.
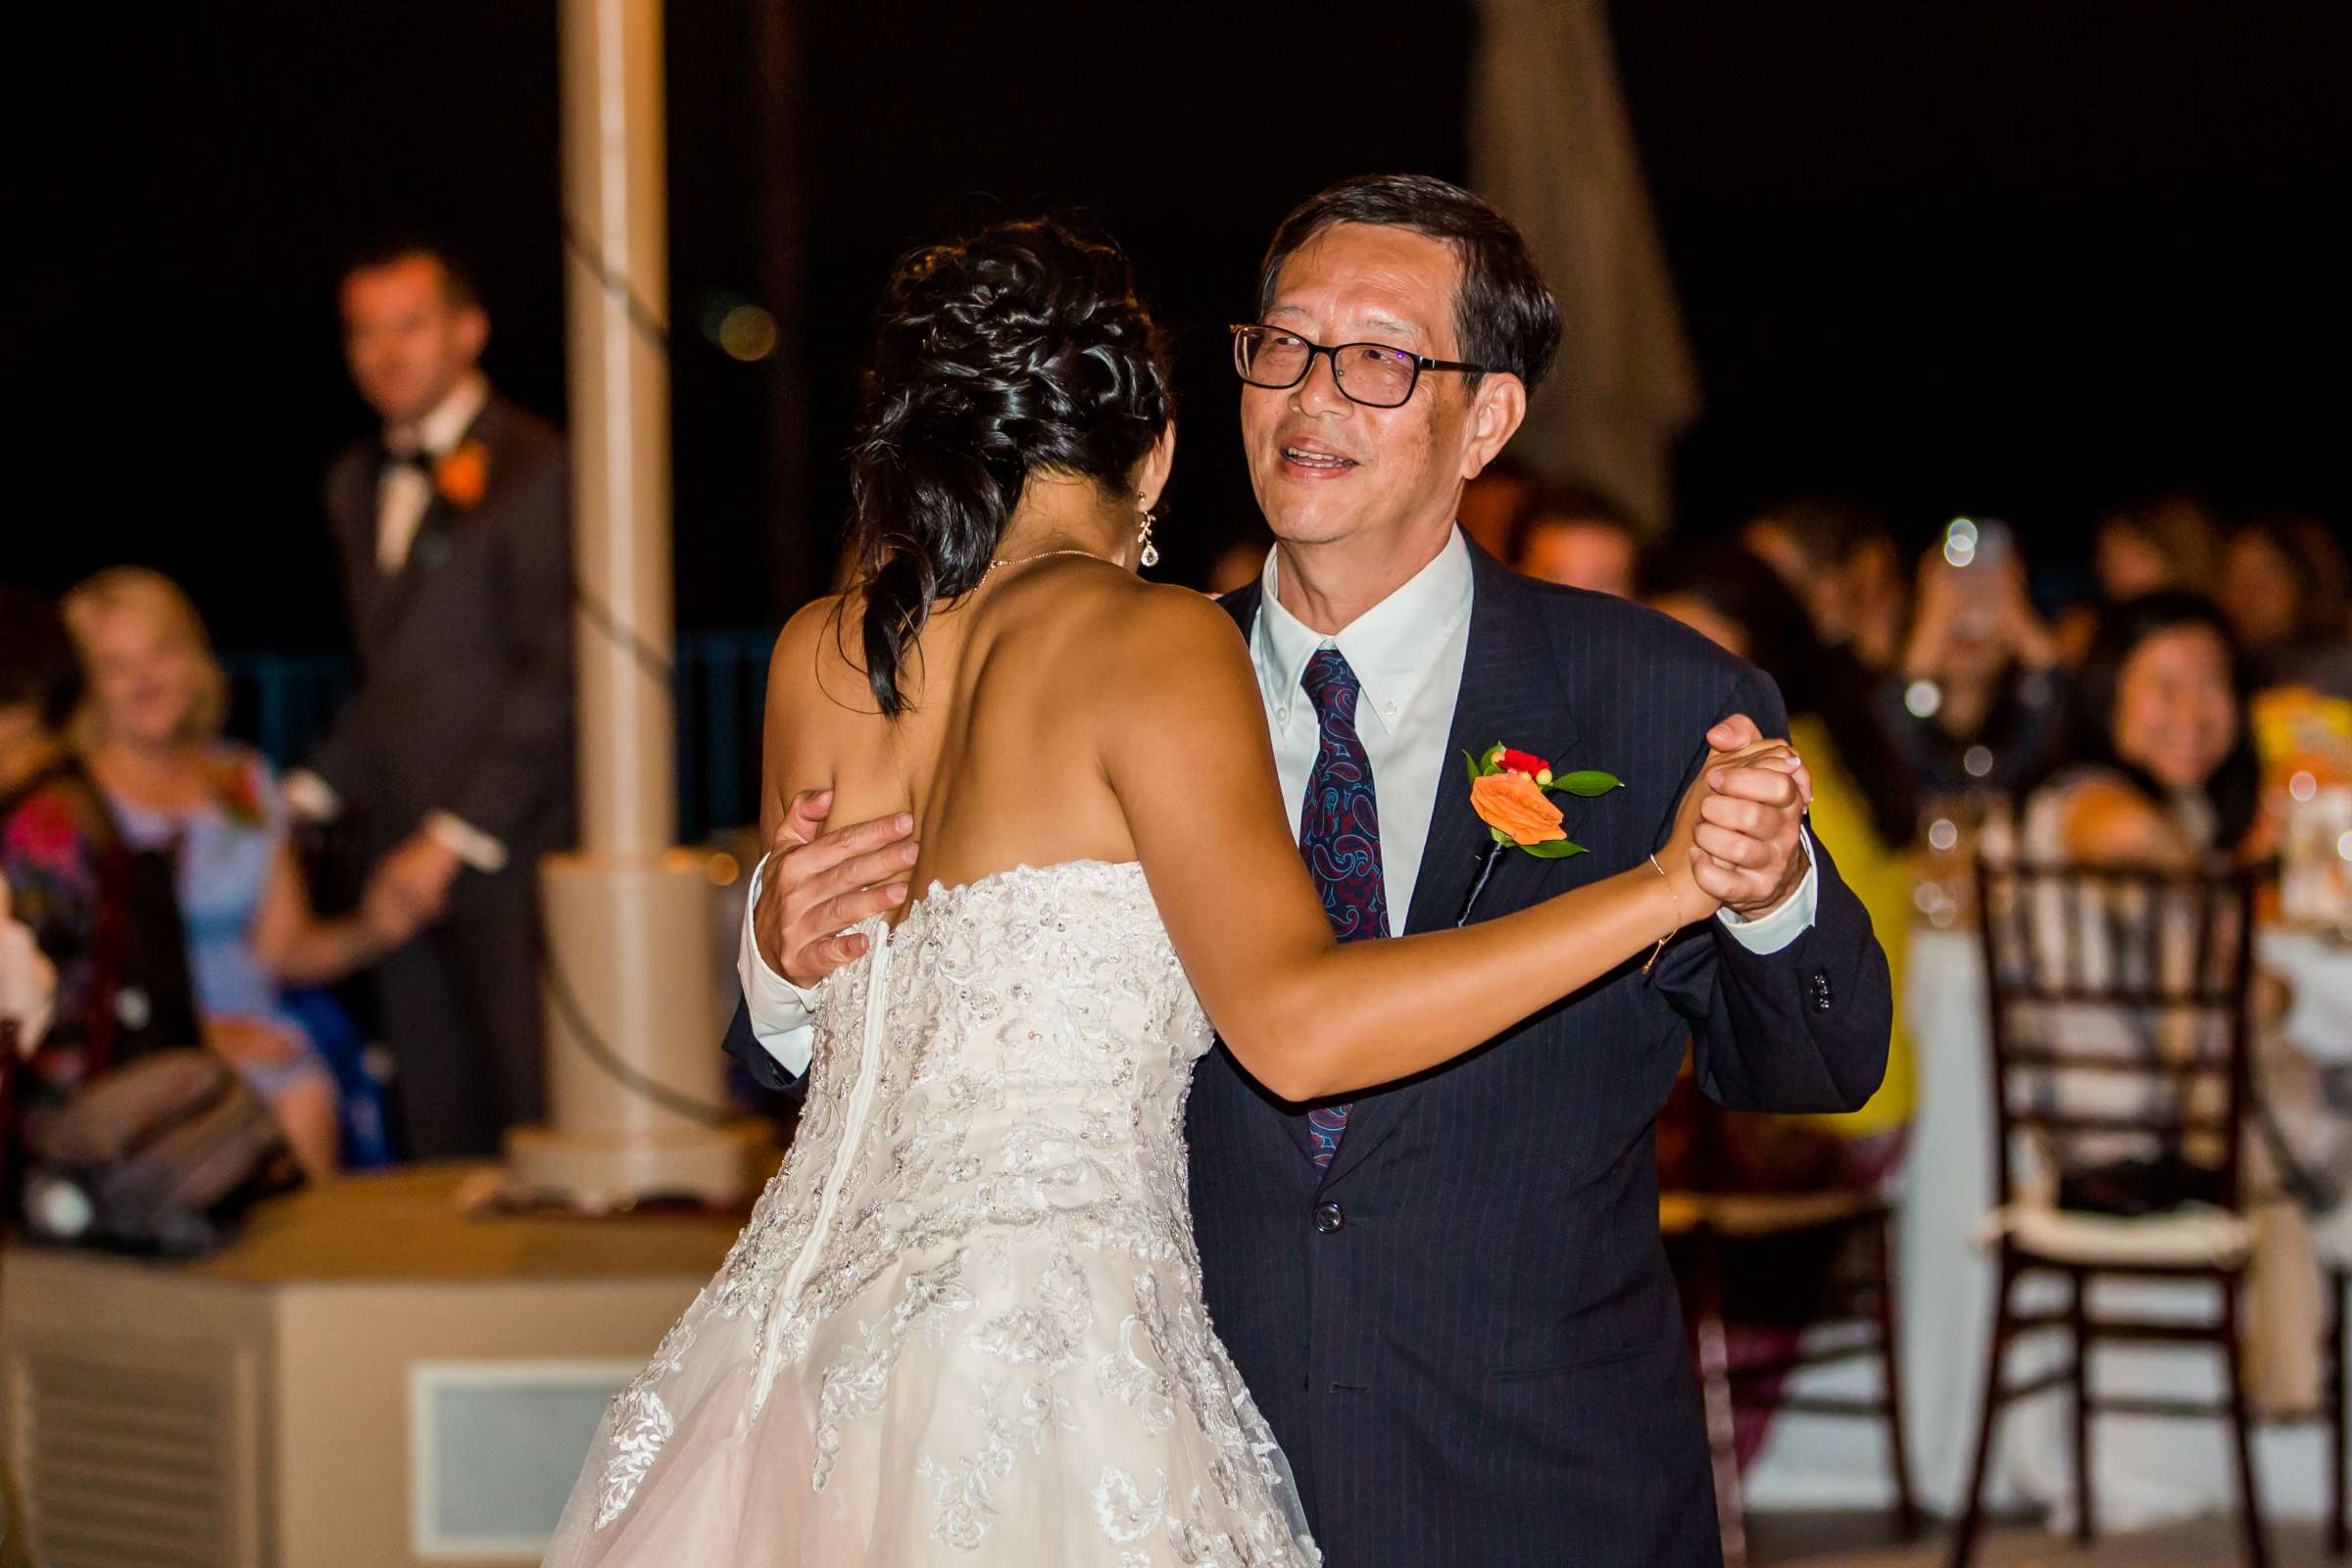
(150, 730)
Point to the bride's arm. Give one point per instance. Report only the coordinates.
(1183, 745)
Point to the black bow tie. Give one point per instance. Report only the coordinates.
(419, 460)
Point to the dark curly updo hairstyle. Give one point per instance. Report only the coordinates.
(1019, 349)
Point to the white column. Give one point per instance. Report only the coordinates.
(633, 1066)
(616, 292)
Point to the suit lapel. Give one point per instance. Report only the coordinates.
(1511, 693)
(351, 509)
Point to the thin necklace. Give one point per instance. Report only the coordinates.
(1042, 555)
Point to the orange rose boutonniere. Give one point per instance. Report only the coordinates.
(1510, 791)
(463, 477)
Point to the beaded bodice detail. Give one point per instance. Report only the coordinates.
(1032, 1038)
(987, 1187)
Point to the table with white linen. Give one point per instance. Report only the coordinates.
(2148, 1470)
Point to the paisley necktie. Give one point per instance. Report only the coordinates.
(1339, 834)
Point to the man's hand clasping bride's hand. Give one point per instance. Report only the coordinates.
(818, 885)
(1746, 852)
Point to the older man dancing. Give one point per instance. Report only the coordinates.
(1448, 1294)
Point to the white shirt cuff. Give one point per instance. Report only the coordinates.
(1775, 930)
(461, 837)
(311, 798)
(783, 1016)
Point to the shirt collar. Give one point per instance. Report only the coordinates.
(447, 421)
(1393, 647)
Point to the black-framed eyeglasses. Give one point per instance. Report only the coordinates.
(1374, 374)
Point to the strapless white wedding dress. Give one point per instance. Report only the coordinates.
(964, 1324)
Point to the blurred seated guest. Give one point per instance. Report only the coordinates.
(453, 759)
(1977, 698)
(2158, 768)
(1840, 561)
(2288, 594)
(2167, 540)
(2164, 541)
(109, 934)
(1863, 808)
(1490, 501)
(1578, 538)
(150, 729)
(2156, 763)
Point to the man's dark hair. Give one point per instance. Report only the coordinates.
(458, 285)
(38, 667)
(1504, 317)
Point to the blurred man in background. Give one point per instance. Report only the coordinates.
(454, 757)
(1576, 537)
(1841, 562)
(1488, 504)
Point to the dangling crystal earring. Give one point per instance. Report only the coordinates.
(1143, 536)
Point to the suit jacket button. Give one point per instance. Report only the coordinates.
(1329, 1217)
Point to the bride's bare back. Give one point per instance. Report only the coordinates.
(997, 754)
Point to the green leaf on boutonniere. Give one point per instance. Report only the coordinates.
(1587, 783)
(1471, 762)
(1553, 849)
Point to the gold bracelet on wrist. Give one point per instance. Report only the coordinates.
(1677, 896)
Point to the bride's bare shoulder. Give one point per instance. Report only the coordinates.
(1157, 644)
(817, 652)
(1158, 622)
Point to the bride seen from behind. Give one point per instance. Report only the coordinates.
(965, 1322)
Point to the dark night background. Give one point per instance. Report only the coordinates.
(2017, 257)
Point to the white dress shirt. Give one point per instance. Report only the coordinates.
(403, 491)
(1408, 653)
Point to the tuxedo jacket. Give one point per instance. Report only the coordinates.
(1464, 1333)
(464, 695)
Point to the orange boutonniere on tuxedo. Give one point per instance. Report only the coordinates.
(1511, 792)
(463, 476)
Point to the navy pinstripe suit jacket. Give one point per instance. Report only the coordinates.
(1464, 1334)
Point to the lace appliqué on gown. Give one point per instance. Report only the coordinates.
(964, 1322)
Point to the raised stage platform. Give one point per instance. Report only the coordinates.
(372, 1378)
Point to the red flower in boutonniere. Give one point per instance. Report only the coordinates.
(1509, 790)
(464, 476)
